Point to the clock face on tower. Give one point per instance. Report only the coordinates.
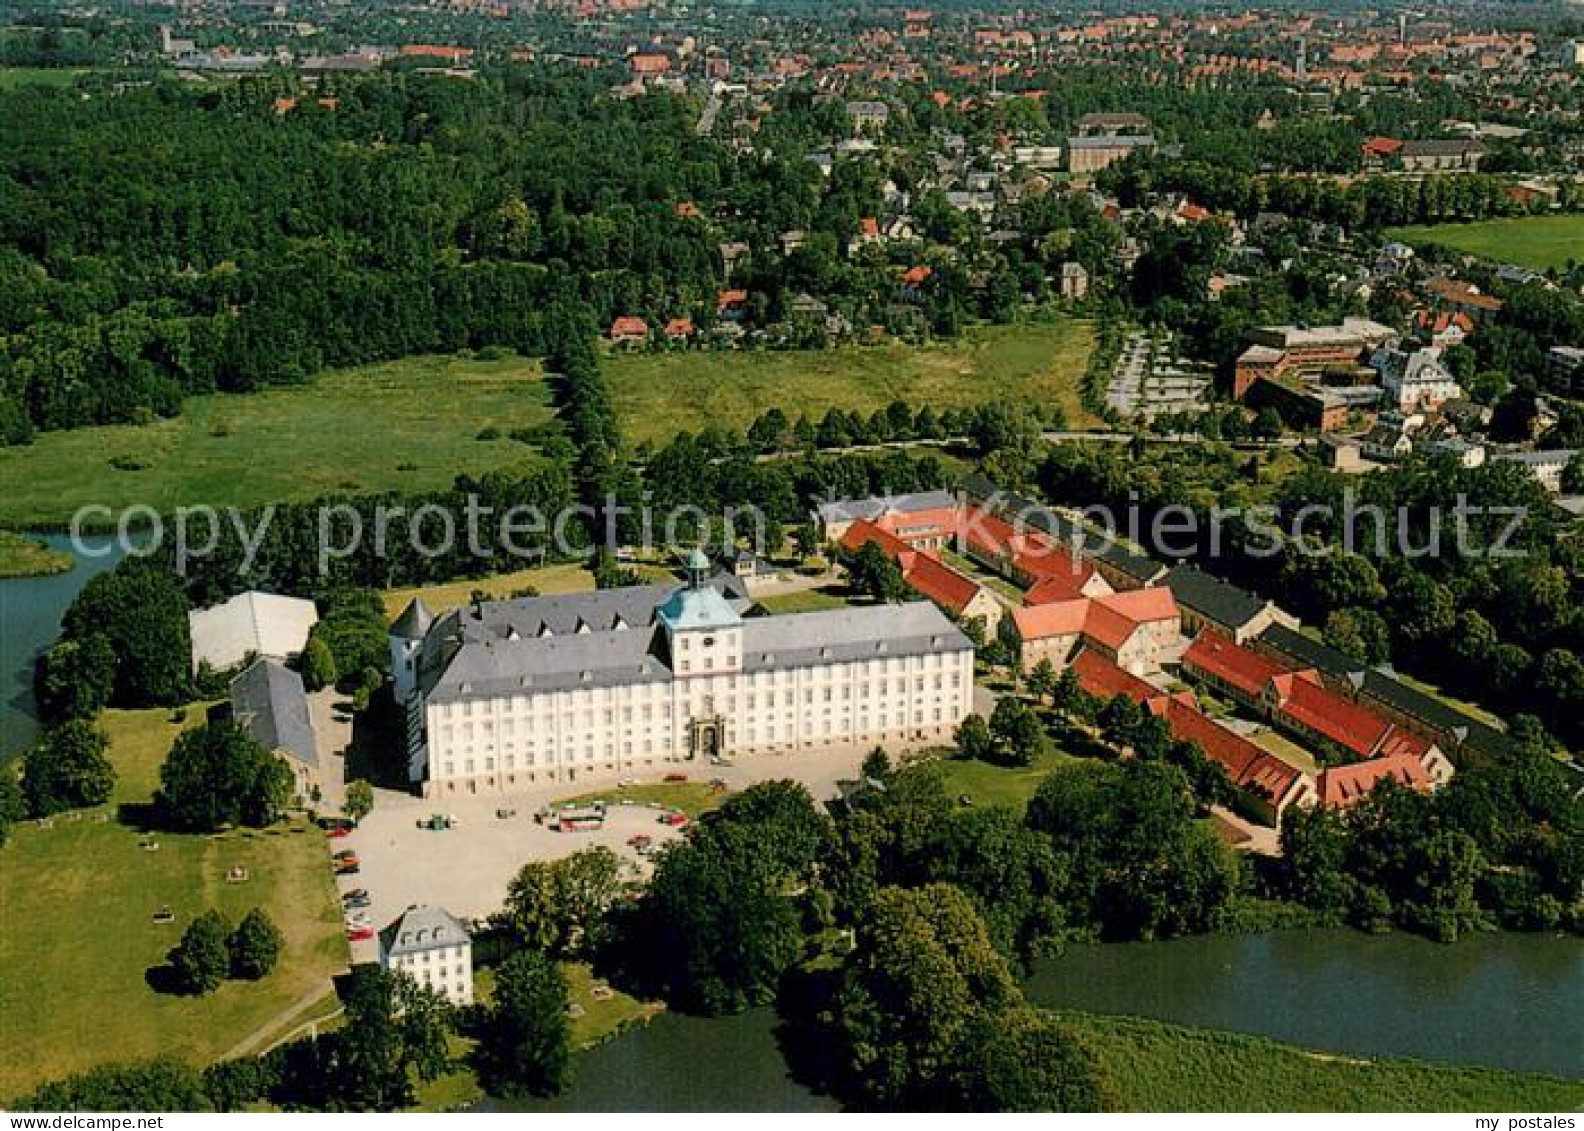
(709, 642)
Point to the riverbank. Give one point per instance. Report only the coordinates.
(21, 556)
(1161, 1067)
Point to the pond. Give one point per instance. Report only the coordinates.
(30, 614)
(1505, 1000)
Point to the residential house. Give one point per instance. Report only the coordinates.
(269, 703)
(629, 330)
(1208, 602)
(1138, 630)
(433, 948)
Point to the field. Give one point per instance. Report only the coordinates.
(690, 797)
(27, 557)
(77, 900)
(13, 77)
(998, 785)
(1161, 1067)
(453, 595)
(1536, 242)
(813, 600)
(659, 395)
(410, 424)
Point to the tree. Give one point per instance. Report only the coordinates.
(1018, 737)
(1267, 424)
(13, 806)
(973, 739)
(1142, 865)
(1360, 634)
(216, 775)
(140, 612)
(525, 1040)
(912, 990)
(67, 769)
(202, 959)
(255, 946)
(161, 1084)
(1026, 1060)
(559, 906)
(359, 801)
(74, 679)
(318, 665)
(1042, 680)
(396, 1032)
(1573, 475)
(870, 573)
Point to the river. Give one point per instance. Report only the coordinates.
(1505, 1000)
(30, 614)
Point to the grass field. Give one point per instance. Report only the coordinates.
(77, 900)
(1161, 1067)
(806, 600)
(410, 424)
(658, 395)
(453, 595)
(13, 77)
(27, 557)
(691, 797)
(1536, 242)
(998, 785)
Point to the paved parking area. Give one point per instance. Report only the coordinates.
(466, 869)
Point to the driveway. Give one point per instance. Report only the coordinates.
(466, 869)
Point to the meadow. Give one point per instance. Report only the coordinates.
(411, 425)
(78, 900)
(660, 394)
(1537, 242)
(1161, 1067)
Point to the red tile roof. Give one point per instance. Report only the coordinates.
(1043, 622)
(1342, 786)
(1216, 655)
(1327, 713)
(1108, 621)
(629, 327)
(924, 574)
(1104, 680)
(1246, 764)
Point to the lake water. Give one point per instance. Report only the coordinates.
(1506, 1000)
(30, 614)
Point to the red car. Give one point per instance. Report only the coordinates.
(675, 820)
(346, 854)
(336, 832)
(360, 934)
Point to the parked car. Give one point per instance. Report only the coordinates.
(676, 777)
(360, 934)
(364, 902)
(356, 893)
(347, 869)
(336, 832)
(675, 820)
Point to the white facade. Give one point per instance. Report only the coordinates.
(433, 948)
(692, 682)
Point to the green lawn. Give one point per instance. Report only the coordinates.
(77, 935)
(1161, 1067)
(691, 797)
(28, 557)
(658, 395)
(806, 600)
(13, 77)
(564, 578)
(409, 424)
(998, 785)
(1536, 242)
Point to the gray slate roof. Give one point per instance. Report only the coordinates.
(268, 701)
(414, 622)
(852, 510)
(495, 667)
(420, 928)
(1218, 601)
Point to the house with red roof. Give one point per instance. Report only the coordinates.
(679, 329)
(629, 330)
(1134, 629)
(1232, 670)
(1267, 786)
(928, 576)
(1343, 786)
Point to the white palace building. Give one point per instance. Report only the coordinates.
(585, 686)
